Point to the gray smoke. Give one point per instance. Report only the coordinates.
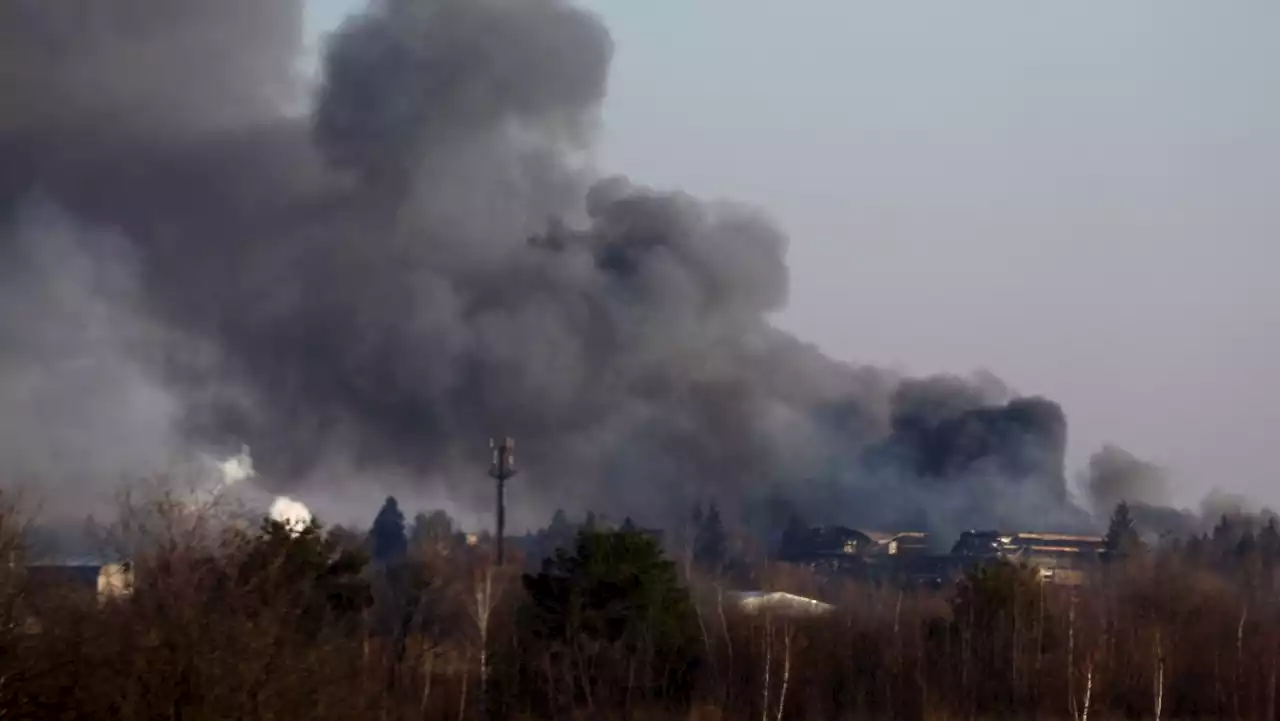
(75, 398)
(366, 295)
(1117, 476)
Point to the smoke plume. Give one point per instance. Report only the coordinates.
(293, 514)
(1117, 476)
(367, 294)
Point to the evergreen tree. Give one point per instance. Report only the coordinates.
(1226, 534)
(590, 524)
(559, 534)
(711, 545)
(1247, 546)
(1122, 537)
(1195, 549)
(616, 604)
(559, 520)
(628, 526)
(793, 536)
(1269, 543)
(689, 531)
(305, 569)
(985, 602)
(390, 544)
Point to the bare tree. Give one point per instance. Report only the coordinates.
(788, 635)
(767, 664)
(484, 586)
(1079, 699)
(1158, 692)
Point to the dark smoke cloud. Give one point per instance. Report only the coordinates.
(366, 295)
(1116, 476)
(414, 77)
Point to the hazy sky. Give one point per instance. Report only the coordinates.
(1083, 197)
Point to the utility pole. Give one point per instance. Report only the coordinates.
(502, 468)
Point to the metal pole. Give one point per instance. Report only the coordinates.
(502, 469)
(502, 518)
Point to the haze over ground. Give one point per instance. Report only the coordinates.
(1079, 198)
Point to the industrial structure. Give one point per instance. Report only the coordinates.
(1059, 557)
(911, 556)
(502, 469)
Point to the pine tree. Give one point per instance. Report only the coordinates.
(711, 545)
(305, 567)
(689, 532)
(1269, 543)
(1247, 546)
(559, 522)
(628, 526)
(1122, 537)
(616, 600)
(792, 537)
(1226, 534)
(390, 544)
(1194, 549)
(560, 533)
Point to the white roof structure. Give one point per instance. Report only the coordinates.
(777, 602)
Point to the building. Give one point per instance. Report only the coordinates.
(907, 557)
(829, 548)
(897, 543)
(1058, 557)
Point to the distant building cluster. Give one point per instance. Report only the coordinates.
(913, 556)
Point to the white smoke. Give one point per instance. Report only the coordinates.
(233, 471)
(293, 514)
(237, 468)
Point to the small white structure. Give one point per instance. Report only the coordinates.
(104, 579)
(115, 580)
(779, 603)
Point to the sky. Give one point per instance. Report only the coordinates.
(1079, 197)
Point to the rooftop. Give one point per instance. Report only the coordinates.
(780, 602)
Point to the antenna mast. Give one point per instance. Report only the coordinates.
(502, 468)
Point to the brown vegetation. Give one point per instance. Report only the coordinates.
(270, 624)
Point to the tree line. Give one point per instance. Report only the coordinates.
(412, 620)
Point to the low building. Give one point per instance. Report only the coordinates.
(897, 543)
(825, 548)
(918, 570)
